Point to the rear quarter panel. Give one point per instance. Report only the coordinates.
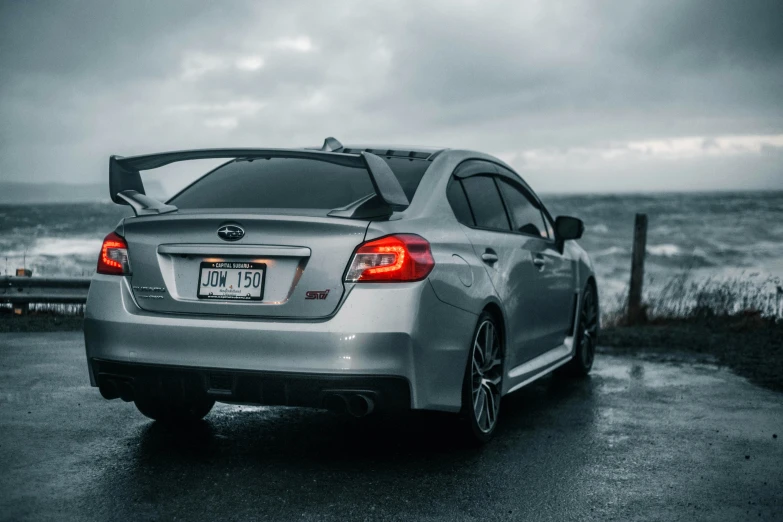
(459, 277)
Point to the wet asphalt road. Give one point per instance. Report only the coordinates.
(639, 440)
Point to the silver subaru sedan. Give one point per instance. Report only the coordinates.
(354, 278)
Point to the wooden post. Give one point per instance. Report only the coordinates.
(636, 310)
(22, 308)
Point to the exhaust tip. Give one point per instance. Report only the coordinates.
(335, 402)
(108, 390)
(126, 391)
(360, 405)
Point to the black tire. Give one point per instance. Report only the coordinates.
(170, 411)
(482, 383)
(586, 337)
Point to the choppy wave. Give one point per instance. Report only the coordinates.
(611, 251)
(665, 250)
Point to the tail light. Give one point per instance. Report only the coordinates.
(114, 256)
(396, 258)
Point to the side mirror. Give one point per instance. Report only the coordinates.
(567, 227)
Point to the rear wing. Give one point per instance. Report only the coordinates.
(125, 173)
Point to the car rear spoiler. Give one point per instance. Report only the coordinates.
(124, 173)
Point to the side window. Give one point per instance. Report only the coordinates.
(485, 202)
(459, 203)
(524, 212)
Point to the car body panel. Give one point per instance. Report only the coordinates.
(301, 254)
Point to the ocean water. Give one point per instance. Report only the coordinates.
(712, 236)
(709, 233)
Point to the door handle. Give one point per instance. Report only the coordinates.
(489, 256)
(539, 262)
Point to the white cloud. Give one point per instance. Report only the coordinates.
(246, 107)
(317, 101)
(661, 148)
(694, 146)
(300, 44)
(196, 64)
(221, 123)
(249, 63)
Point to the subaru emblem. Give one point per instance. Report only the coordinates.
(230, 233)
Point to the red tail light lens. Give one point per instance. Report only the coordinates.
(397, 258)
(114, 256)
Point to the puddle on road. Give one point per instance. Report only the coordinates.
(619, 374)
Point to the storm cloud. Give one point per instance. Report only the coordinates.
(592, 96)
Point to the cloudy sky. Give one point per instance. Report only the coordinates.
(578, 96)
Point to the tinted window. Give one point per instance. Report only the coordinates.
(459, 203)
(486, 203)
(524, 213)
(291, 183)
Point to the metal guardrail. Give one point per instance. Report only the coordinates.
(65, 290)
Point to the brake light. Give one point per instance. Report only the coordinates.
(396, 258)
(114, 256)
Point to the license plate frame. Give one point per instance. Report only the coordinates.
(233, 266)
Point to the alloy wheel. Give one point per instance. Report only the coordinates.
(486, 373)
(588, 324)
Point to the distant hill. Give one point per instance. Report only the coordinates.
(14, 192)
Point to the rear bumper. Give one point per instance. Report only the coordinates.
(127, 380)
(384, 333)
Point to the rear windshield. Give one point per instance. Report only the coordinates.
(291, 183)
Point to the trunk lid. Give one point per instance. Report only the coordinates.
(304, 257)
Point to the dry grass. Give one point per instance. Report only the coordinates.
(684, 297)
(54, 318)
(47, 308)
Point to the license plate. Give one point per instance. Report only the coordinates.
(231, 280)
